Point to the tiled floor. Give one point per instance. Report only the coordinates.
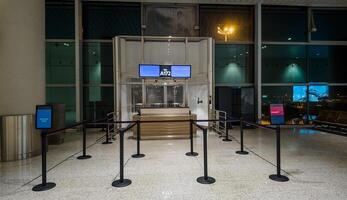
(316, 164)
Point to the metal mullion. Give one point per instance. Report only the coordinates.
(60, 40)
(60, 85)
(98, 40)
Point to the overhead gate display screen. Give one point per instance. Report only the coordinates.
(164, 71)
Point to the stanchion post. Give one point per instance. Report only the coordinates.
(44, 185)
(278, 177)
(226, 139)
(191, 153)
(121, 182)
(107, 135)
(138, 138)
(242, 151)
(205, 179)
(84, 155)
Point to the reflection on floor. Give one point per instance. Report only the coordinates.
(315, 162)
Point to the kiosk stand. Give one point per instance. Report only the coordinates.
(43, 121)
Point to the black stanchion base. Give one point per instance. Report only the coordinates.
(279, 178)
(121, 183)
(41, 187)
(192, 154)
(203, 180)
(242, 152)
(140, 155)
(227, 140)
(84, 157)
(107, 142)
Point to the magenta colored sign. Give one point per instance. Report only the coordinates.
(276, 109)
(277, 114)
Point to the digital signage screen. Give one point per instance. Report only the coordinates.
(181, 71)
(277, 114)
(44, 115)
(149, 71)
(318, 92)
(299, 93)
(164, 71)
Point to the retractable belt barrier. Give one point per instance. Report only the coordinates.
(121, 182)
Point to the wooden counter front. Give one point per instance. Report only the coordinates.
(164, 130)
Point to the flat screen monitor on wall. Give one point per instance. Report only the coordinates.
(164, 71)
(299, 93)
(316, 92)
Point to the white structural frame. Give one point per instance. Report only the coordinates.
(117, 58)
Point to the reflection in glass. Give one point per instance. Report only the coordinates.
(155, 95)
(97, 63)
(60, 63)
(136, 95)
(60, 20)
(329, 25)
(97, 102)
(107, 20)
(283, 64)
(327, 64)
(239, 18)
(233, 64)
(295, 112)
(63, 95)
(284, 23)
(175, 20)
(175, 95)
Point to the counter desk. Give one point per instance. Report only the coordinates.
(164, 130)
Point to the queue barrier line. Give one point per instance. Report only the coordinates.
(205, 179)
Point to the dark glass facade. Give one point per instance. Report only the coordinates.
(284, 23)
(301, 46)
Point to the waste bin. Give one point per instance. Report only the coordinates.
(18, 137)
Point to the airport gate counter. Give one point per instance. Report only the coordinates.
(164, 129)
(161, 105)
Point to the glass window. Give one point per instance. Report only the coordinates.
(236, 23)
(60, 63)
(63, 95)
(336, 101)
(233, 64)
(170, 20)
(97, 102)
(97, 63)
(107, 20)
(327, 64)
(155, 95)
(295, 112)
(60, 20)
(136, 97)
(329, 25)
(283, 63)
(284, 23)
(175, 95)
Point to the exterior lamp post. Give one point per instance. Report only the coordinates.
(225, 31)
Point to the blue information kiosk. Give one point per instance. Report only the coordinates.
(44, 121)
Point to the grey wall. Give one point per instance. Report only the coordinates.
(22, 55)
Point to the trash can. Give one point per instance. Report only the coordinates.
(18, 137)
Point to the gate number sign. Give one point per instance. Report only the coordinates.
(44, 117)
